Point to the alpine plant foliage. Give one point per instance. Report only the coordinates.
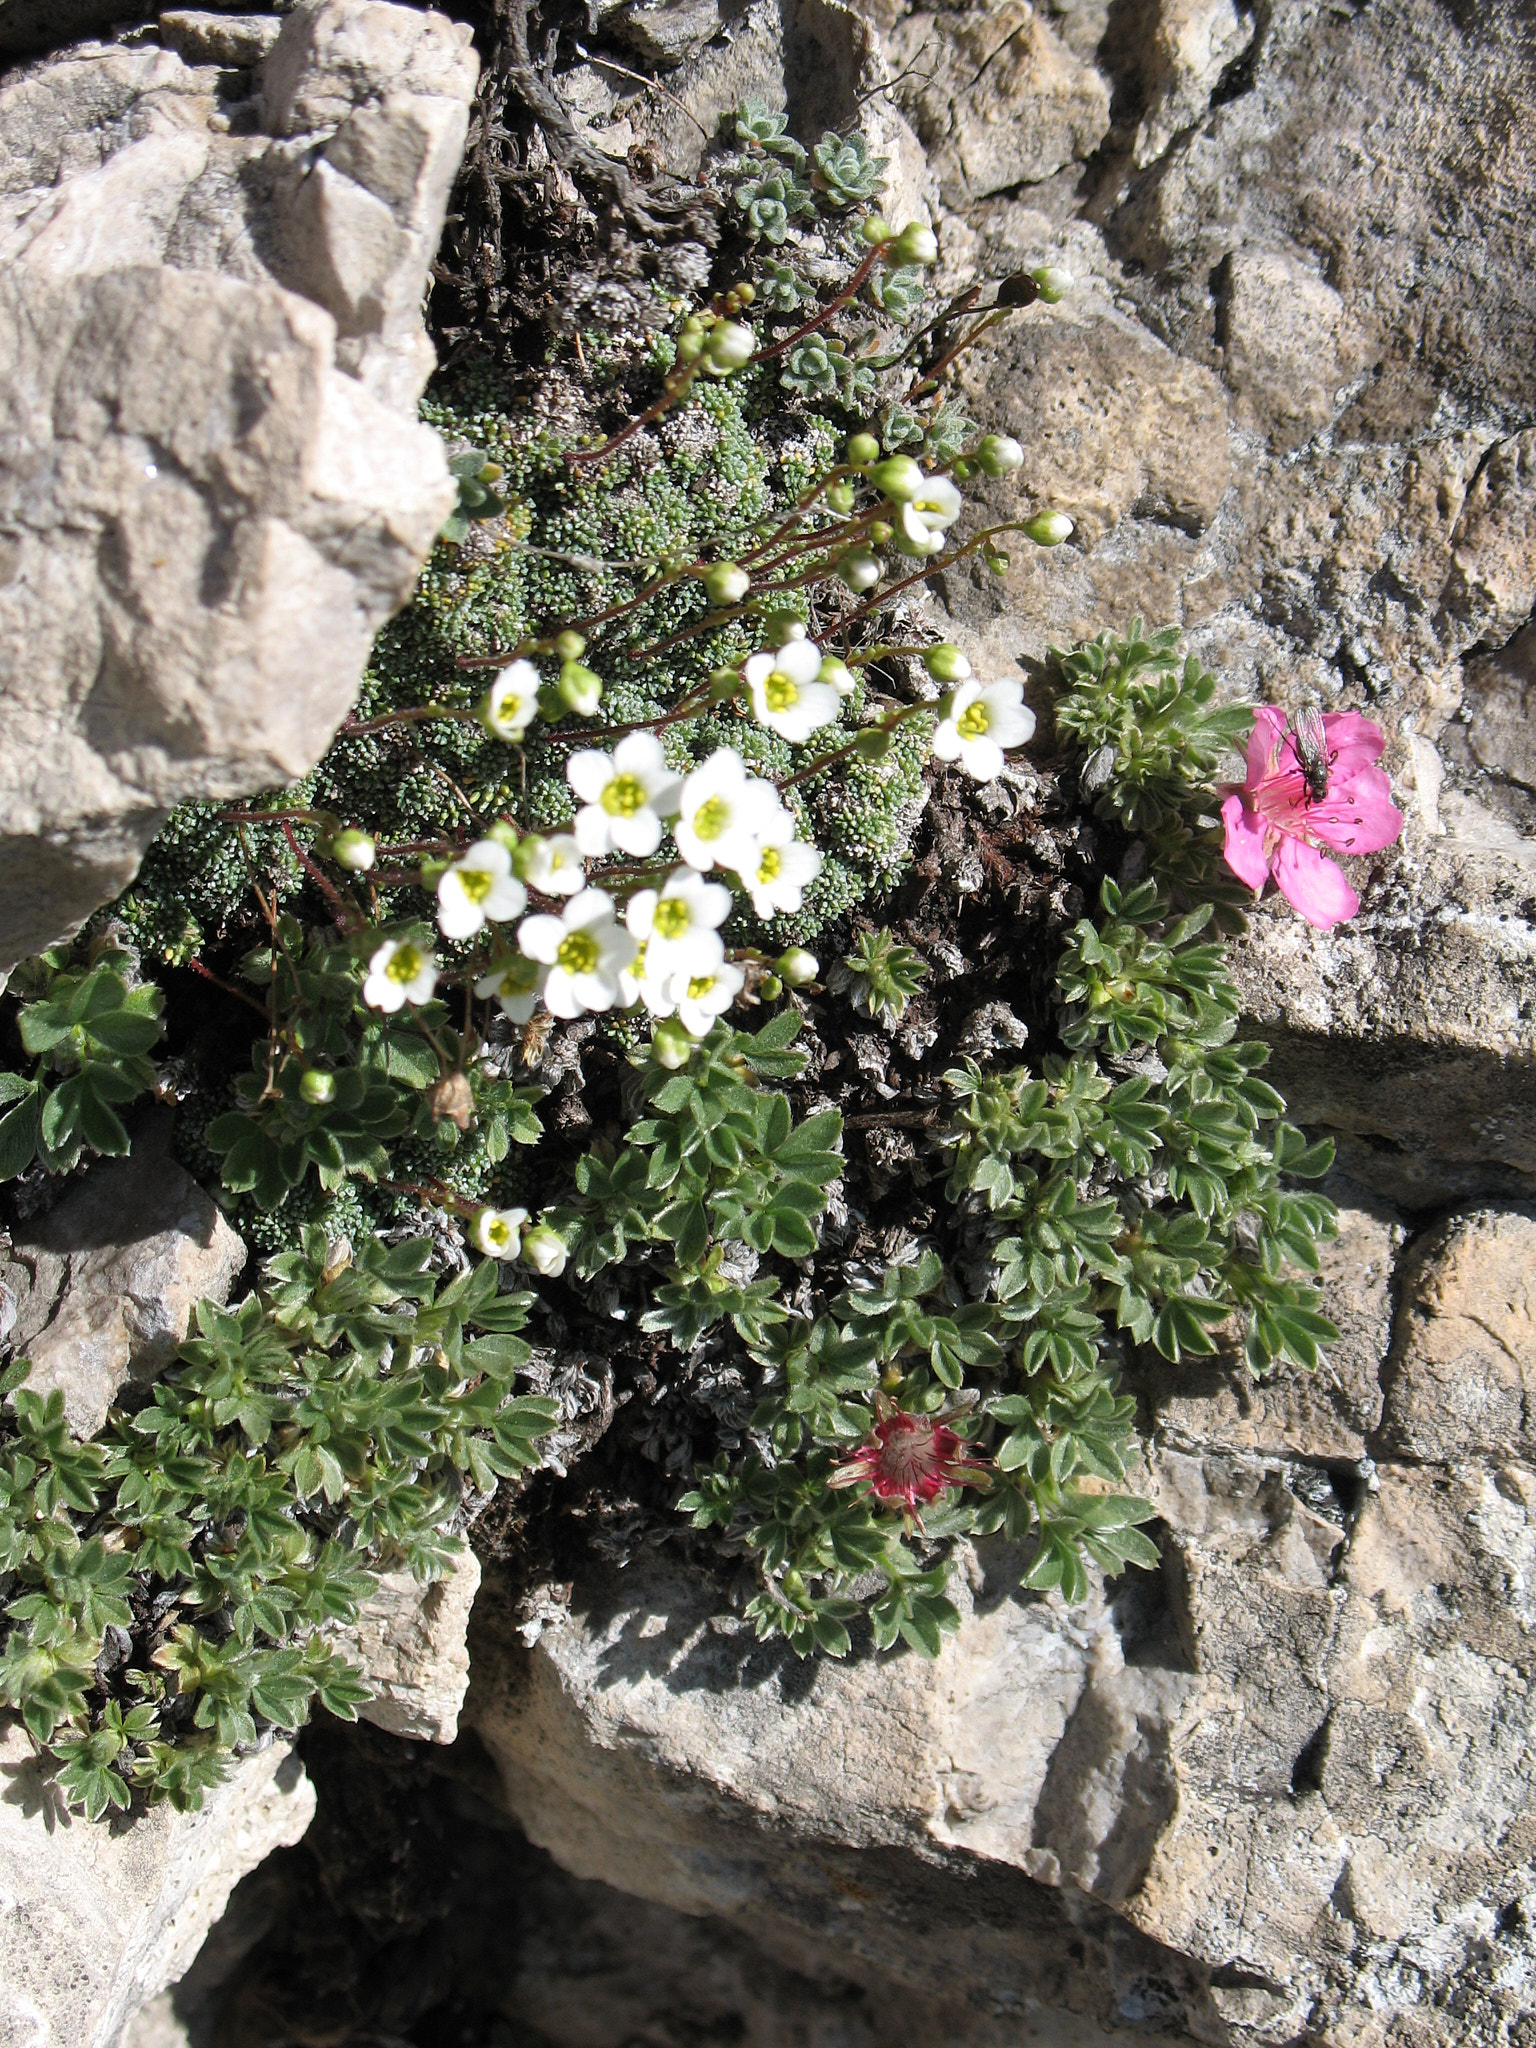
(653, 743)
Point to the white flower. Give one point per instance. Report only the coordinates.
(701, 998)
(786, 695)
(924, 519)
(510, 705)
(479, 888)
(586, 951)
(517, 985)
(783, 868)
(400, 972)
(983, 719)
(498, 1232)
(721, 810)
(625, 795)
(553, 866)
(681, 925)
(545, 1250)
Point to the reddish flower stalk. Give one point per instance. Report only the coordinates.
(1276, 825)
(907, 1461)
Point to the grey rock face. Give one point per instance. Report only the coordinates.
(410, 1641)
(97, 1920)
(213, 488)
(101, 1291)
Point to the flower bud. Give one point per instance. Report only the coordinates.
(841, 498)
(880, 532)
(874, 230)
(860, 571)
(545, 1250)
(1054, 282)
(745, 291)
(525, 855)
(728, 346)
(862, 448)
(354, 850)
(580, 688)
(671, 1047)
(1000, 454)
(724, 684)
(552, 706)
(997, 561)
(838, 674)
(726, 584)
(504, 835)
(317, 1087)
(873, 744)
(897, 478)
(770, 988)
(690, 345)
(797, 967)
(946, 664)
(779, 628)
(1049, 529)
(570, 645)
(916, 244)
(961, 470)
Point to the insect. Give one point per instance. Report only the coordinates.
(535, 1037)
(1309, 743)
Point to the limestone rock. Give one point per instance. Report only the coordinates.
(1183, 50)
(996, 96)
(101, 1290)
(213, 488)
(1501, 710)
(95, 1920)
(1289, 345)
(410, 1641)
(1463, 1372)
(236, 41)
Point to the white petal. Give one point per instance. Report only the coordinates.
(508, 898)
(589, 773)
(540, 937)
(642, 755)
(947, 741)
(592, 831)
(639, 834)
(982, 758)
(641, 912)
(757, 667)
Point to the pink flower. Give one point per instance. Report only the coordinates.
(909, 1460)
(1275, 826)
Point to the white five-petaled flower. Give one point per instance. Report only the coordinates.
(499, 1232)
(512, 702)
(786, 695)
(478, 889)
(924, 520)
(554, 866)
(721, 811)
(983, 719)
(586, 951)
(681, 926)
(783, 868)
(400, 972)
(625, 796)
(516, 984)
(701, 998)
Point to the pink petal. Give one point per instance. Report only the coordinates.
(1358, 814)
(1244, 848)
(1263, 743)
(1313, 885)
(1353, 741)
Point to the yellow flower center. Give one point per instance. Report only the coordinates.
(404, 965)
(498, 1231)
(672, 918)
(771, 865)
(699, 986)
(577, 953)
(973, 721)
(623, 797)
(779, 690)
(711, 818)
(475, 883)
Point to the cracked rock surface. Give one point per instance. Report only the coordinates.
(213, 485)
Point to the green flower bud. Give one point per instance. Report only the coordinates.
(862, 448)
(1000, 454)
(728, 347)
(570, 646)
(525, 855)
(1054, 282)
(997, 561)
(504, 835)
(841, 498)
(779, 628)
(874, 230)
(552, 706)
(916, 244)
(770, 988)
(880, 532)
(859, 570)
(946, 664)
(671, 1047)
(797, 967)
(354, 850)
(838, 674)
(1049, 529)
(580, 688)
(545, 1250)
(961, 470)
(690, 346)
(873, 744)
(897, 478)
(726, 584)
(744, 291)
(317, 1087)
(724, 684)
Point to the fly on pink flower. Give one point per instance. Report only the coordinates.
(1277, 824)
(907, 1461)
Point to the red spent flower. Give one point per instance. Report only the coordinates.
(1277, 824)
(907, 1461)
